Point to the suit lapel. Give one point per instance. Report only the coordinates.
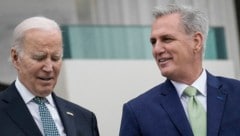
(19, 113)
(216, 98)
(171, 103)
(67, 116)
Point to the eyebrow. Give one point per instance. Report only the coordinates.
(43, 54)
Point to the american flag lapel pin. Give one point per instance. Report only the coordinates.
(70, 113)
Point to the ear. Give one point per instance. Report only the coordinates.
(198, 42)
(15, 57)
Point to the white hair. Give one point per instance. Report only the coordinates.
(37, 22)
(193, 20)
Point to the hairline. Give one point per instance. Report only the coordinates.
(38, 23)
(198, 19)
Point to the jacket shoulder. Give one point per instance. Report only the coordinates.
(149, 96)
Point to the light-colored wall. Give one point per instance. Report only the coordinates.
(103, 86)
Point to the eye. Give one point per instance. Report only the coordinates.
(153, 41)
(38, 57)
(167, 39)
(56, 58)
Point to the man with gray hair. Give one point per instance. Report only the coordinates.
(191, 102)
(29, 107)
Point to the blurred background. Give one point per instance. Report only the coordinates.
(107, 54)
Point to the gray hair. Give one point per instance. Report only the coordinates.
(193, 20)
(32, 23)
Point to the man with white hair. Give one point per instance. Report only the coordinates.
(29, 107)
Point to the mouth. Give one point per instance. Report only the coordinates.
(163, 60)
(45, 78)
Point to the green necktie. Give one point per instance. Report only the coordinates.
(196, 112)
(49, 126)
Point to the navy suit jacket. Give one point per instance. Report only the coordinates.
(159, 111)
(16, 119)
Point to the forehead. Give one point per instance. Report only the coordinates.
(170, 23)
(42, 39)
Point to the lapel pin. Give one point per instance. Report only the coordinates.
(70, 113)
(220, 98)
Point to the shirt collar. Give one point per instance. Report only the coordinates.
(27, 96)
(200, 84)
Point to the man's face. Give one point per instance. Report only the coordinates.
(38, 64)
(173, 49)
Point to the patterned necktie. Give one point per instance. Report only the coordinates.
(49, 127)
(197, 114)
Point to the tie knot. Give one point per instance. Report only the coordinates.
(190, 91)
(39, 100)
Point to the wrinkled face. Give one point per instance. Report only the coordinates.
(38, 64)
(173, 49)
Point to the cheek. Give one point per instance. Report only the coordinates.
(154, 53)
(29, 70)
(57, 67)
(28, 67)
(187, 53)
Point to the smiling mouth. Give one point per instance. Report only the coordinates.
(163, 60)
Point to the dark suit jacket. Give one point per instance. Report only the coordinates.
(16, 120)
(159, 111)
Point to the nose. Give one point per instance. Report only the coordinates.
(158, 48)
(48, 66)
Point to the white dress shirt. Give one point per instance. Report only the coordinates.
(27, 96)
(200, 84)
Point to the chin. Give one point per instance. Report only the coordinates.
(45, 91)
(165, 73)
